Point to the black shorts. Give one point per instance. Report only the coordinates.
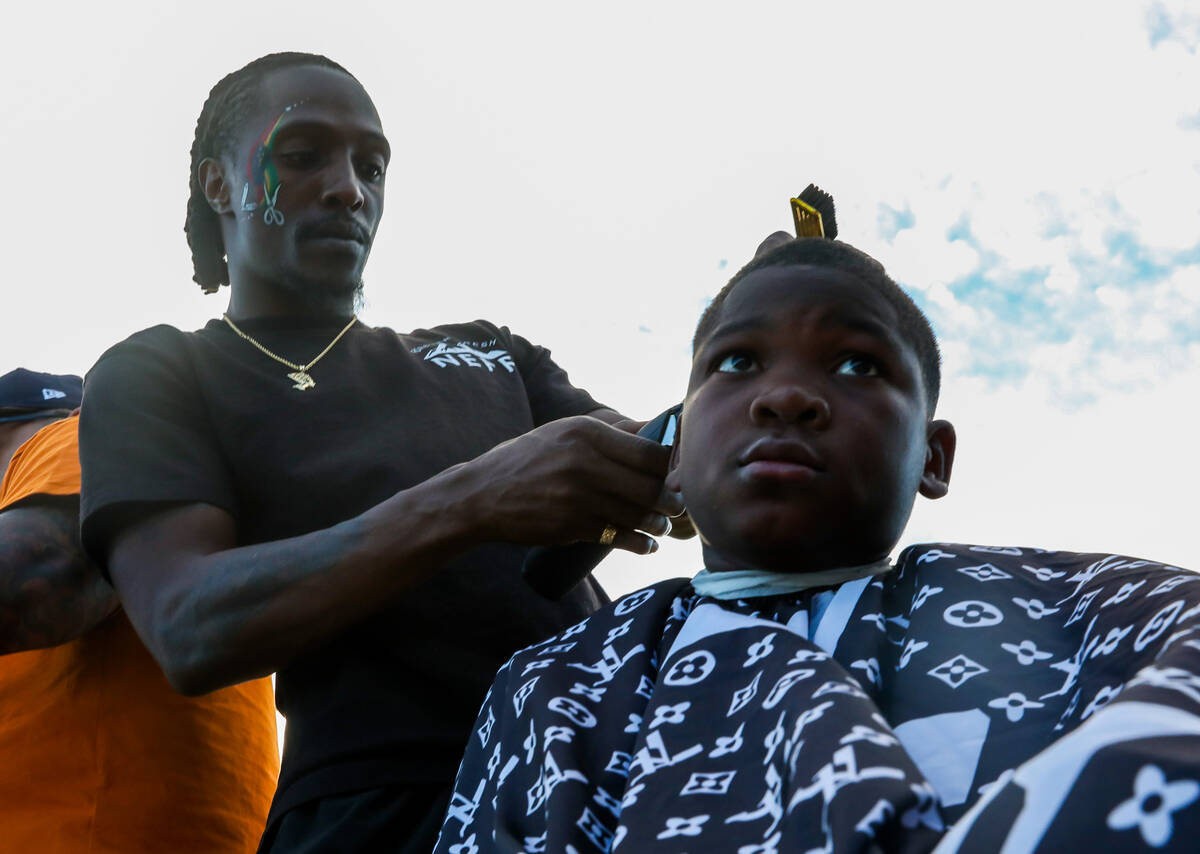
(400, 819)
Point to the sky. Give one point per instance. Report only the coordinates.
(591, 174)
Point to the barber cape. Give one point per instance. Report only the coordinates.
(972, 699)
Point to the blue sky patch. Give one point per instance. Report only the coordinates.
(891, 221)
(1125, 312)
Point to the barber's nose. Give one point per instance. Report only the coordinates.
(790, 403)
(343, 187)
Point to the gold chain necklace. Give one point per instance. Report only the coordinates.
(301, 378)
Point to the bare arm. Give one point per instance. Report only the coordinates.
(50, 593)
(611, 416)
(214, 614)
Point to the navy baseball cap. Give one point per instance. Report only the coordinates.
(26, 395)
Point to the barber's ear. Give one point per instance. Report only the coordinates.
(940, 442)
(216, 188)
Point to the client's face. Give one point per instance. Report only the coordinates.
(805, 428)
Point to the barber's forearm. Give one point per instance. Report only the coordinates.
(220, 618)
(608, 416)
(50, 593)
(213, 613)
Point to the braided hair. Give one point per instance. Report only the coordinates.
(216, 130)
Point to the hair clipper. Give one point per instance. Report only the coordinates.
(554, 570)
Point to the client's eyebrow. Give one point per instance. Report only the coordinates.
(749, 324)
(849, 321)
(852, 322)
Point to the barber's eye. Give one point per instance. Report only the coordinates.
(298, 159)
(372, 171)
(858, 366)
(736, 363)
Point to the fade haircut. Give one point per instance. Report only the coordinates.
(228, 104)
(914, 327)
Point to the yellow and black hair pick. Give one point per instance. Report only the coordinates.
(812, 211)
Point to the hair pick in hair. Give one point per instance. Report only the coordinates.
(812, 212)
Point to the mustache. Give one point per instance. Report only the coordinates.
(335, 226)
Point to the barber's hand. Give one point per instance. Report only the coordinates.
(681, 525)
(568, 480)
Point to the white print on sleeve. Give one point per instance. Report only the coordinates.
(448, 354)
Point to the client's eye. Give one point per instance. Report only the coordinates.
(737, 362)
(858, 366)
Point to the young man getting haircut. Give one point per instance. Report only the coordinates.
(289, 489)
(801, 694)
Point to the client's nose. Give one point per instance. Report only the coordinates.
(791, 403)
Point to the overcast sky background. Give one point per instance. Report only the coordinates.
(591, 174)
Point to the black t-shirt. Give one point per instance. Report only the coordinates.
(205, 417)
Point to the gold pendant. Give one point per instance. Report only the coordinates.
(302, 379)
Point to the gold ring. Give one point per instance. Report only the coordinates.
(610, 534)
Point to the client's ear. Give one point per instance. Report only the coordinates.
(940, 441)
(682, 527)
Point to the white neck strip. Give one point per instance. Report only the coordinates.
(751, 583)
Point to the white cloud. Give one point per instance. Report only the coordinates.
(1113, 298)
(1174, 23)
(922, 257)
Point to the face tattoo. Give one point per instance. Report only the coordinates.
(261, 174)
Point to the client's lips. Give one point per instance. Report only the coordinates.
(780, 455)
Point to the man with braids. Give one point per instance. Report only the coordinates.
(288, 489)
(97, 754)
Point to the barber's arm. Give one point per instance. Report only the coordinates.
(214, 614)
(50, 592)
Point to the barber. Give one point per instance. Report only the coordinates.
(289, 489)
